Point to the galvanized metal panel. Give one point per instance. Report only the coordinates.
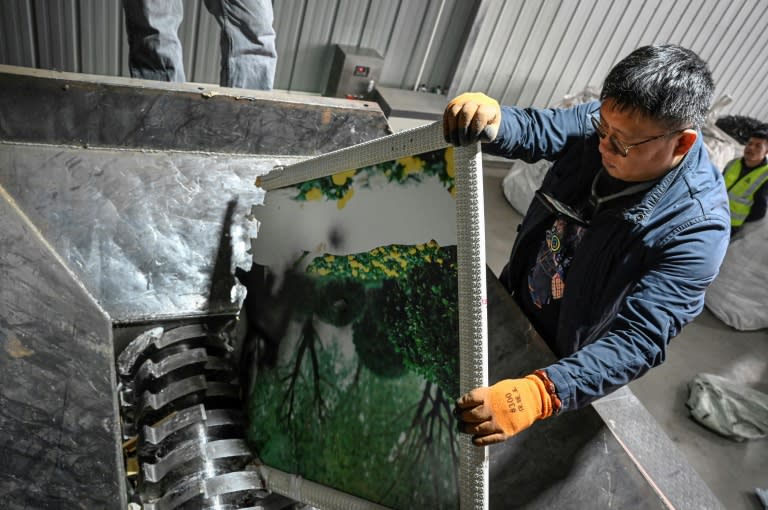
(661, 13)
(289, 18)
(541, 68)
(635, 22)
(563, 66)
(206, 57)
(604, 29)
(697, 22)
(188, 38)
(755, 91)
(449, 40)
(739, 57)
(419, 39)
(738, 25)
(349, 22)
(725, 24)
(676, 18)
(123, 35)
(379, 24)
(314, 53)
(514, 25)
(100, 25)
(18, 33)
(405, 35)
(510, 34)
(535, 41)
(56, 25)
(479, 40)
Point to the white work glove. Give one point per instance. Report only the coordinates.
(471, 117)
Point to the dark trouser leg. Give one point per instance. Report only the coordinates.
(153, 39)
(248, 55)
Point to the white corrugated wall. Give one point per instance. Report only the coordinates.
(533, 52)
(527, 52)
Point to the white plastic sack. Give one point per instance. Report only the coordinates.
(522, 181)
(733, 410)
(720, 146)
(739, 294)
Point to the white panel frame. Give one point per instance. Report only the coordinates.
(473, 298)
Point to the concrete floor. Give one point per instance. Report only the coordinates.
(732, 470)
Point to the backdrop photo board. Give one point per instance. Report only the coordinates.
(372, 321)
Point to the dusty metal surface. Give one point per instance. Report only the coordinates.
(150, 234)
(145, 224)
(85, 110)
(58, 421)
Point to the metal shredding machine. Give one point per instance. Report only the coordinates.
(124, 213)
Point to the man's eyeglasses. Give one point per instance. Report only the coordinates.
(620, 148)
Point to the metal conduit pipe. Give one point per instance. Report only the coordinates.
(429, 45)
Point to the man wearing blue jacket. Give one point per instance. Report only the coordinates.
(628, 229)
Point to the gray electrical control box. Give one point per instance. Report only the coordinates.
(354, 72)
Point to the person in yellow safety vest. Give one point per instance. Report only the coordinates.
(747, 182)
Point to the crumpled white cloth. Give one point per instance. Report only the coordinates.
(728, 408)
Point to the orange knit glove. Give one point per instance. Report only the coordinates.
(495, 414)
(471, 117)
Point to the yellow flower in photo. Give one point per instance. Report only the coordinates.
(411, 165)
(340, 178)
(450, 168)
(329, 258)
(314, 194)
(344, 199)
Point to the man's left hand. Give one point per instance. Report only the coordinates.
(470, 118)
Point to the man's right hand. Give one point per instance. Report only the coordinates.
(471, 117)
(494, 414)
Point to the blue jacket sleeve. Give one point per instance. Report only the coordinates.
(667, 297)
(531, 134)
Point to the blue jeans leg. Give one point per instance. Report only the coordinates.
(153, 39)
(248, 54)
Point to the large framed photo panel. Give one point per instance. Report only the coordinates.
(371, 322)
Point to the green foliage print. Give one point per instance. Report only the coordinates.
(374, 441)
(411, 169)
(362, 398)
(417, 310)
(424, 305)
(384, 262)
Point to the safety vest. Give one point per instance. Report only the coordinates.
(741, 192)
